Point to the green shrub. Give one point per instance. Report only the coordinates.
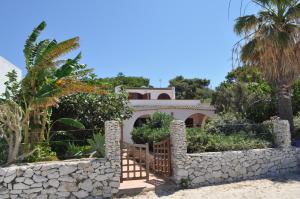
(74, 151)
(97, 144)
(160, 120)
(231, 123)
(156, 129)
(200, 141)
(42, 153)
(296, 134)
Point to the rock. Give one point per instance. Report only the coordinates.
(81, 194)
(43, 196)
(68, 187)
(47, 172)
(28, 181)
(65, 170)
(10, 178)
(2, 172)
(49, 191)
(20, 179)
(20, 172)
(86, 185)
(45, 185)
(37, 184)
(54, 183)
(66, 179)
(5, 196)
(21, 186)
(38, 178)
(28, 173)
(63, 194)
(34, 190)
(100, 178)
(54, 175)
(16, 191)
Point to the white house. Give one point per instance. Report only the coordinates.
(146, 101)
(5, 67)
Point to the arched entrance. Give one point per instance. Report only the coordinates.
(139, 122)
(139, 96)
(196, 120)
(164, 96)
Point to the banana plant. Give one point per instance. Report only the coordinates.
(66, 121)
(49, 77)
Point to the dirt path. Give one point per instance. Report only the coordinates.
(286, 187)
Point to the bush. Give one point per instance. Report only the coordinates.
(200, 141)
(296, 135)
(42, 153)
(232, 123)
(97, 145)
(74, 151)
(92, 110)
(156, 129)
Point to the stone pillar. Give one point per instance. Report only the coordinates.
(179, 150)
(282, 133)
(112, 140)
(113, 155)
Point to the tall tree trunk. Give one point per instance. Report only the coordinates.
(285, 108)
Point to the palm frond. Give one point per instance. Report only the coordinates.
(245, 24)
(248, 51)
(293, 13)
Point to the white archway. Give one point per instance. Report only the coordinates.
(196, 120)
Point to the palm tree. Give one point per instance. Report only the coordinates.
(48, 78)
(272, 42)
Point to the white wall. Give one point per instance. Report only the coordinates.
(154, 92)
(5, 67)
(164, 103)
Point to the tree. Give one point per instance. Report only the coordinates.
(245, 92)
(12, 86)
(11, 126)
(49, 77)
(272, 43)
(121, 79)
(191, 88)
(92, 110)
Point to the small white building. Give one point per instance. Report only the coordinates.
(5, 67)
(146, 101)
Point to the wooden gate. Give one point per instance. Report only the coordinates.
(134, 161)
(162, 157)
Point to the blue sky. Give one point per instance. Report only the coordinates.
(157, 39)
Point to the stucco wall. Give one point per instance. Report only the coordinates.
(67, 179)
(220, 167)
(154, 92)
(5, 67)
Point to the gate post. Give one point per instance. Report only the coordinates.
(281, 129)
(179, 150)
(112, 149)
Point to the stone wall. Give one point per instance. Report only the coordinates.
(220, 167)
(67, 179)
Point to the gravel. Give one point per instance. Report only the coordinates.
(284, 187)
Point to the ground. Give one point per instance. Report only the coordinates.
(284, 187)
